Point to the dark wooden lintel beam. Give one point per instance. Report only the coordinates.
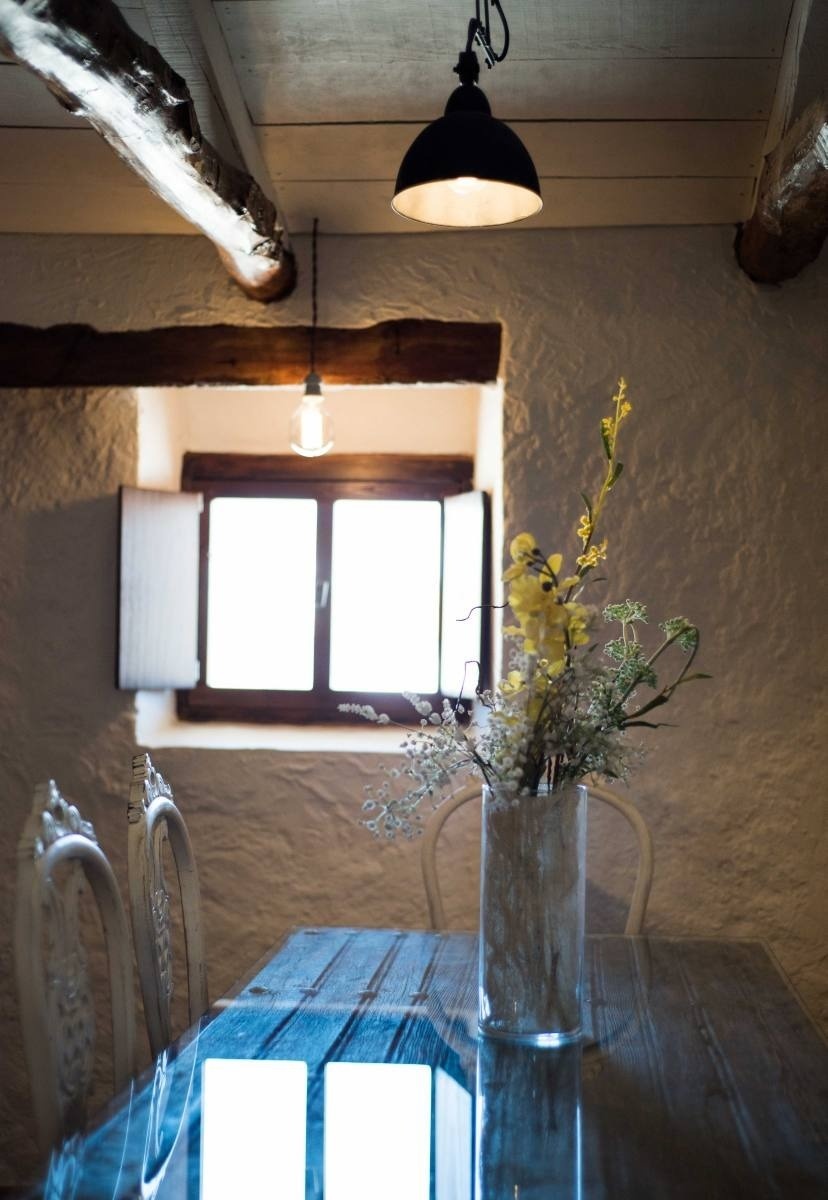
(201, 470)
(406, 351)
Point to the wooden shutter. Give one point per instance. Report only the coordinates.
(465, 623)
(159, 571)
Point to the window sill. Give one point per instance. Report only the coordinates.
(157, 726)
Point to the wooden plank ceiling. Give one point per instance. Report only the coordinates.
(637, 112)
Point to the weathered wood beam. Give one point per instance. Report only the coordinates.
(790, 220)
(98, 67)
(784, 97)
(408, 351)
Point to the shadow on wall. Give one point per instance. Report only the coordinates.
(60, 717)
(605, 913)
(67, 619)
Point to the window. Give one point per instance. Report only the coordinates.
(350, 578)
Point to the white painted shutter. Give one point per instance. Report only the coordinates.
(159, 567)
(465, 561)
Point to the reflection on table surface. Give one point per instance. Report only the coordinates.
(361, 1131)
(349, 1066)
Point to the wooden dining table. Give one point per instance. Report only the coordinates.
(347, 1065)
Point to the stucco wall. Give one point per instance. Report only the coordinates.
(719, 516)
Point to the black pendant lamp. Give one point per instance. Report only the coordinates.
(467, 169)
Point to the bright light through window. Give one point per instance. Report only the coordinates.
(453, 1132)
(385, 595)
(253, 1127)
(261, 593)
(377, 1131)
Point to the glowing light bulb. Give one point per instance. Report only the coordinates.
(311, 426)
(465, 185)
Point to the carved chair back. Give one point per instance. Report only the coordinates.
(644, 874)
(57, 853)
(155, 821)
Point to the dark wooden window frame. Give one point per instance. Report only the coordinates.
(385, 476)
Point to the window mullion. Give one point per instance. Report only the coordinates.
(322, 637)
(203, 588)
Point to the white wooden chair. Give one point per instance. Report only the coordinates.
(56, 853)
(644, 875)
(155, 820)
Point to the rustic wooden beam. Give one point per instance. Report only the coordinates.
(408, 351)
(99, 68)
(790, 220)
(202, 470)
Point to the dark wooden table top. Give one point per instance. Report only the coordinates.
(700, 1075)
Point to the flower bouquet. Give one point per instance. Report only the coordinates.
(563, 711)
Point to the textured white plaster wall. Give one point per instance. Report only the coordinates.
(440, 420)
(720, 515)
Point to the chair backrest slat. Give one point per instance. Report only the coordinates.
(57, 852)
(154, 821)
(646, 855)
(644, 874)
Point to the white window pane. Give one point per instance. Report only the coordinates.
(377, 1131)
(253, 1129)
(385, 596)
(261, 594)
(463, 529)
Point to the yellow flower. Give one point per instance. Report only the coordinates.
(527, 596)
(578, 626)
(593, 556)
(514, 572)
(512, 684)
(522, 547)
(556, 668)
(531, 631)
(553, 649)
(585, 528)
(521, 550)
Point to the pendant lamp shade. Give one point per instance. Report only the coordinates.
(467, 169)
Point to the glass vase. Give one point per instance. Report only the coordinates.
(528, 1133)
(532, 892)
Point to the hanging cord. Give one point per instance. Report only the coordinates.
(480, 31)
(314, 311)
